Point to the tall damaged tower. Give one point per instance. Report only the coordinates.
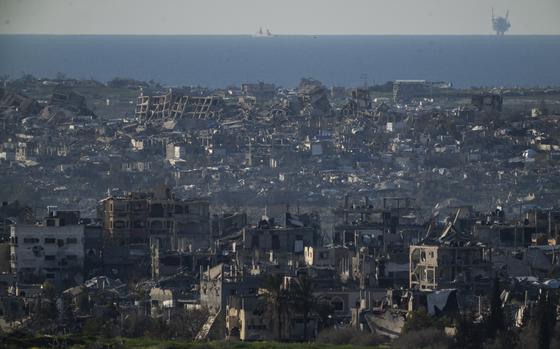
(500, 24)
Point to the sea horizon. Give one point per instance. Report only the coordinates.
(336, 60)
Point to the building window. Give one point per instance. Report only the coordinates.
(156, 210)
(72, 257)
(157, 225)
(50, 276)
(71, 240)
(337, 304)
(30, 240)
(50, 258)
(255, 242)
(275, 242)
(50, 240)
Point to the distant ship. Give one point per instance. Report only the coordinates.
(263, 34)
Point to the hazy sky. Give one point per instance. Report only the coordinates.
(281, 16)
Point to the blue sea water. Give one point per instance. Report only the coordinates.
(216, 61)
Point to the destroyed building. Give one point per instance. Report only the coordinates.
(260, 91)
(169, 106)
(18, 102)
(451, 262)
(141, 217)
(52, 250)
(314, 98)
(488, 102)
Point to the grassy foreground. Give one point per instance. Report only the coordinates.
(137, 343)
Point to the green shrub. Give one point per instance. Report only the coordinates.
(420, 319)
(350, 336)
(432, 338)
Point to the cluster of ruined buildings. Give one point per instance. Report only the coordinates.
(450, 189)
(259, 142)
(381, 262)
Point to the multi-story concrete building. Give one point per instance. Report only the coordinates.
(266, 238)
(337, 257)
(174, 151)
(138, 217)
(435, 267)
(51, 251)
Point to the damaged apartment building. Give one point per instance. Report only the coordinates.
(158, 215)
(53, 250)
(451, 260)
(172, 107)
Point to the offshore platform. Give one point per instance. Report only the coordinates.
(500, 24)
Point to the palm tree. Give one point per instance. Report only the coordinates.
(302, 299)
(276, 299)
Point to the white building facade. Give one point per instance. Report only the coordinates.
(46, 253)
